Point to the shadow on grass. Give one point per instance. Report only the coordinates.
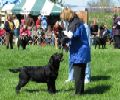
(42, 90)
(95, 90)
(34, 90)
(64, 90)
(37, 91)
(98, 89)
(97, 78)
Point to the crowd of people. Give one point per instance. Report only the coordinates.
(38, 31)
(41, 33)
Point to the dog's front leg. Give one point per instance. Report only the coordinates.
(51, 86)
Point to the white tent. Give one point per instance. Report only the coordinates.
(35, 7)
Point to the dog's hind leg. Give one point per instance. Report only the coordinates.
(99, 46)
(95, 46)
(21, 84)
(23, 80)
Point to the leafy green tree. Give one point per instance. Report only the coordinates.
(56, 1)
(100, 3)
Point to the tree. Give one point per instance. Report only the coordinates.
(56, 1)
(100, 3)
(92, 4)
(60, 2)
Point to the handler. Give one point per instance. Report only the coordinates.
(79, 47)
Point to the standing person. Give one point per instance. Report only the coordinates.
(116, 31)
(38, 22)
(22, 21)
(9, 28)
(88, 66)
(57, 29)
(29, 22)
(44, 23)
(94, 30)
(17, 28)
(79, 48)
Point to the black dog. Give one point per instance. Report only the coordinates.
(23, 41)
(100, 41)
(40, 74)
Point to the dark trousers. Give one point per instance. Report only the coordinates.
(9, 40)
(117, 41)
(79, 75)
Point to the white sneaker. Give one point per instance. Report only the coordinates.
(87, 81)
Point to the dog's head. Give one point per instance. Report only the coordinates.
(55, 59)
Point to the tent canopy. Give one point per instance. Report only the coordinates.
(44, 7)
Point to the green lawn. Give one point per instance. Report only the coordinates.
(105, 67)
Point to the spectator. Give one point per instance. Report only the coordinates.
(49, 36)
(29, 22)
(57, 30)
(79, 48)
(116, 31)
(94, 30)
(22, 21)
(17, 28)
(9, 28)
(38, 22)
(24, 31)
(44, 23)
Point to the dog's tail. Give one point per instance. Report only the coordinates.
(15, 70)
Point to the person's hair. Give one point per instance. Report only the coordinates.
(9, 16)
(56, 24)
(14, 16)
(67, 14)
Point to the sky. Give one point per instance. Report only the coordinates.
(83, 3)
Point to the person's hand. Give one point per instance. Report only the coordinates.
(114, 26)
(65, 32)
(68, 34)
(118, 23)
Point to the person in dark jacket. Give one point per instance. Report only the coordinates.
(116, 32)
(9, 28)
(79, 47)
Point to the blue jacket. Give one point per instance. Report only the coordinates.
(44, 23)
(79, 46)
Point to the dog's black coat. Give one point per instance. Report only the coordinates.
(40, 74)
(62, 41)
(100, 41)
(23, 41)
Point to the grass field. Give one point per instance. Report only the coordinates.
(105, 67)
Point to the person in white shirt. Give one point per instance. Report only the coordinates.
(17, 28)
